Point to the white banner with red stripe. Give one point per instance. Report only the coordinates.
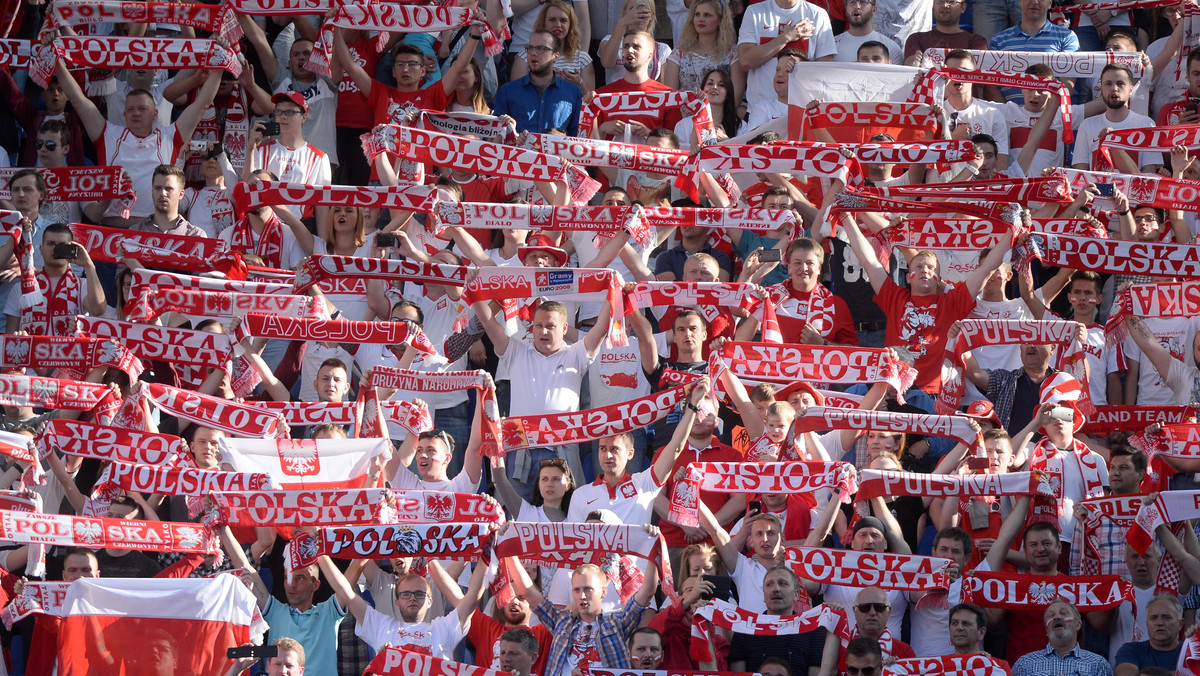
(306, 463)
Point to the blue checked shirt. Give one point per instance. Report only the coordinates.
(612, 630)
(1046, 662)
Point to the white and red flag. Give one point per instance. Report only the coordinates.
(306, 463)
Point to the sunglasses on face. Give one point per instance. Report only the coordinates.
(868, 607)
(861, 671)
(48, 145)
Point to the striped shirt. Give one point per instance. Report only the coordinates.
(1051, 38)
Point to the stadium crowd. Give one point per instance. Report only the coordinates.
(796, 338)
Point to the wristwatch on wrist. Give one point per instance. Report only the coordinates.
(693, 408)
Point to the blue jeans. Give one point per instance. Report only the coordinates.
(872, 338)
(989, 17)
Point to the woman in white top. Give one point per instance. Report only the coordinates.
(637, 15)
(718, 87)
(573, 64)
(468, 93)
(551, 498)
(505, 246)
(343, 233)
(707, 40)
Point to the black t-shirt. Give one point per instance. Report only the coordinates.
(130, 564)
(849, 281)
(800, 650)
(664, 429)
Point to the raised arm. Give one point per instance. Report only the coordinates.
(359, 76)
(599, 332)
(647, 347)
(346, 596)
(521, 582)
(866, 254)
(93, 121)
(669, 454)
(987, 266)
(186, 123)
(1158, 355)
(450, 77)
(233, 549)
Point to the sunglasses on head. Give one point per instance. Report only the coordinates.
(48, 145)
(552, 462)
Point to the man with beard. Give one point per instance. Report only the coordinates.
(946, 33)
(1116, 86)
(490, 632)
(859, 15)
(541, 100)
(637, 48)
(762, 534)
(1063, 654)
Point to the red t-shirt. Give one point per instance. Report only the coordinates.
(1171, 110)
(717, 452)
(384, 97)
(485, 636)
(792, 311)
(920, 323)
(658, 117)
(483, 189)
(353, 109)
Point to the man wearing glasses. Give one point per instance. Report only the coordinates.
(871, 613)
(946, 34)
(863, 657)
(409, 71)
(288, 156)
(541, 100)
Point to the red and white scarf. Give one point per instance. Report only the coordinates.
(351, 507)
(63, 530)
(560, 429)
(387, 18)
(568, 545)
(216, 19)
(595, 152)
(479, 157)
(1121, 418)
(281, 7)
(929, 152)
(486, 127)
(606, 220)
(1189, 656)
(411, 417)
(1164, 299)
(102, 243)
(441, 541)
(1147, 139)
(152, 280)
(15, 54)
(478, 380)
(976, 333)
(816, 311)
(821, 160)
(36, 598)
(1115, 256)
(1169, 507)
(1121, 510)
(576, 284)
(124, 53)
(56, 393)
(251, 196)
(320, 268)
(398, 662)
(162, 343)
(1064, 64)
(267, 244)
(1048, 458)
(1142, 189)
(817, 363)
(1176, 441)
(150, 304)
(756, 477)
(762, 221)
(21, 230)
(332, 330)
(80, 184)
(110, 444)
(74, 355)
(949, 426)
(17, 446)
(1023, 190)
(617, 104)
(186, 481)
(730, 617)
(700, 295)
(239, 420)
(846, 567)
(923, 92)
(885, 483)
(58, 307)
(862, 116)
(1022, 591)
(948, 665)
(1001, 213)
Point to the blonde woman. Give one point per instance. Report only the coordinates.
(708, 40)
(637, 15)
(574, 64)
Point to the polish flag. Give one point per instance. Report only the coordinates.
(154, 626)
(306, 463)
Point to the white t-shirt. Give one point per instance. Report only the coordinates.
(929, 624)
(1173, 333)
(1128, 627)
(461, 483)
(549, 384)
(749, 577)
(1183, 380)
(139, 156)
(763, 111)
(632, 500)
(1050, 150)
(1087, 141)
(290, 252)
(616, 376)
(983, 117)
(760, 25)
(847, 46)
(314, 354)
(437, 638)
(305, 164)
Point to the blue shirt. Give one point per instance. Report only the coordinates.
(1078, 662)
(315, 629)
(557, 106)
(1140, 654)
(1051, 38)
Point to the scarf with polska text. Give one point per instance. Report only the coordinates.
(124, 53)
(615, 104)
(1145, 139)
(948, 665)
(215, 19)
(822, 160)
(15, 54)
(576, 284)
(1001, 214)
(184, 481)
(816, 363)
(408, 415)
(1119, 418)
(229, 263)
(441, 541)
(399, 662)
(251, 196)
(560, 429)
(594, 152)
(1023, 190)
(351, 507)
(730, 617)
(846, 567)
(17, 446)
(152, 303)
(36, 598)
(479, 157)
(757, 477)
(485, 127)
(567, 545)
(691, 294)
(110, 444)
(73, 355)
(1020, 591)
(1156, 300)
(929, 152)
(63, 530)
(1120, 257)
(601, 220)
(231, 417)
(80, 184)
(162, 343)
(975, 333)
(281, 327)
(151, 280)
(955, 427)
(103, 244)
(1171, 440)
(923, 91)
(478, 380)
(886, 483)
(848, 120)
(388, 18)
(1048, 458)
(966, 234)
(1064, 64)
(317, 268)
(1147, 190)
(57, 393)
(761, 221)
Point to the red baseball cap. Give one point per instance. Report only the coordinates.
(800, 386)
(984, 410)
(294, 97)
